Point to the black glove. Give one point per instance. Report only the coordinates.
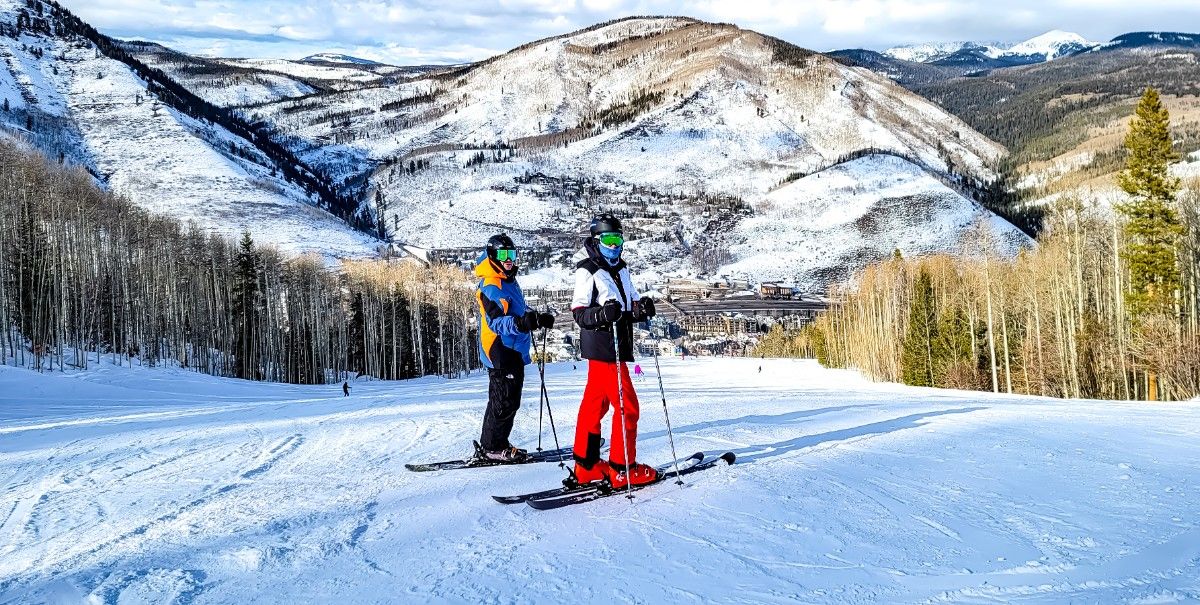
(527, 322)
(545, 320)
(645, 309)
(610, 312)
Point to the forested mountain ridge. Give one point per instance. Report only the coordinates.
(1061, 118)
(1063, 121)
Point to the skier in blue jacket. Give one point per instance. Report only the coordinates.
(504, 327)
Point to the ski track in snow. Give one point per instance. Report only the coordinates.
(129, 485)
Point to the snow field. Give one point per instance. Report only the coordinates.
(128, 485)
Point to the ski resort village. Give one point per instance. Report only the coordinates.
(563, 302)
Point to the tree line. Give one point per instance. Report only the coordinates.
(86, 275)
(1107, 305)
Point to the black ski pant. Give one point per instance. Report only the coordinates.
(504, 399)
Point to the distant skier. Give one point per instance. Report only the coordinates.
(637, 370)
(504, 327)
(346, 389)
(605, 300)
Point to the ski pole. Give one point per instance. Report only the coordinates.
(541, 395)
(621, 407)
(546, 397)
(670, 435)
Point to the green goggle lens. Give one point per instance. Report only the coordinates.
(612, 239)
(504, 255)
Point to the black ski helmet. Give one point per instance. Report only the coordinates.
(498, 242)
(605, 223)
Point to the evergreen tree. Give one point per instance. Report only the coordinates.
(1152, 229)
(819, 345)
(952, 354)
(245, 307)
(917, 360)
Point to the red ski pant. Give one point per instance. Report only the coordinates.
(599, 394)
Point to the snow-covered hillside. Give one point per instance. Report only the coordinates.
(122, 485)
(814, 229)
(215, 81)
(682, 124)
(159, 158)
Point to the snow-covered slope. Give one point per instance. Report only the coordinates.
(192, 170)
(123, 485)
(816, 229)
(217, 82)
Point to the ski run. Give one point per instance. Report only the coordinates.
(124, 485)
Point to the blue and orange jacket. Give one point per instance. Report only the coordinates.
(501, 344)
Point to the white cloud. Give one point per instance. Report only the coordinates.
(453, 31)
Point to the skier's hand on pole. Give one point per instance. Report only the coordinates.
(611, 311)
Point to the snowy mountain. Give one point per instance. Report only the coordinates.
(155, 485)
(934, 51)
(1048, 46)
(79, 105)
(990, 55)
(217, 81)
(337, 58)
(683, 124)
(1152, 39)
(1035, 111)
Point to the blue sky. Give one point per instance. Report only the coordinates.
(452, 31)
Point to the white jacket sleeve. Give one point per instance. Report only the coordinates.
(583, 289)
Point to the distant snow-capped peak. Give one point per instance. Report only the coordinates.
(1051, 44)
(337, 58)
(925, 53)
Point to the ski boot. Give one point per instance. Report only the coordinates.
(637, 474)
(582, 476)
(508, 455)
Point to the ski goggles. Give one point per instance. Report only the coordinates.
(611, 239)
(506, 254)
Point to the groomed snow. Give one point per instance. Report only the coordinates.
(155, 485)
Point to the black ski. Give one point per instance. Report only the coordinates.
(563, 454)
(587, 487)
(665, 473)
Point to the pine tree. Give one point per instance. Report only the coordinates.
(1152, 229)
(917, 361)
(954, 360)
(245, 307)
